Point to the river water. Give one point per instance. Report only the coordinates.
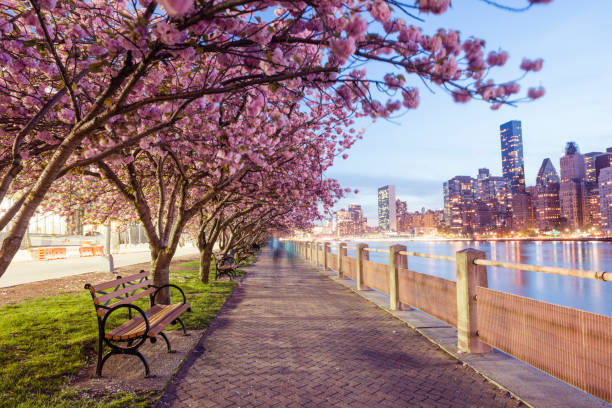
(585, 294)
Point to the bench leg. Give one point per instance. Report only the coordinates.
(100, 360)
(166, 340)
(124, 351)
(182, 325)
(144, 361)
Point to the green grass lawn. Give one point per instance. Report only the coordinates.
(45, 341)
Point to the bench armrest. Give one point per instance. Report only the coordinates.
(129, 306)
(169, 285)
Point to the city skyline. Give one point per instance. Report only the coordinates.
(419, 151)
(372, 212)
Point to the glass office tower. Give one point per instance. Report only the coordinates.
(513, 167)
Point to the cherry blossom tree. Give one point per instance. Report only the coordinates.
(84, 82)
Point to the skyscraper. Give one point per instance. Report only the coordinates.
(547, 173)
(589, 166)
(572, 164)
(387, 218)
(605, 198)
(513, 167)
(547, 207)
(573, 194)
(459, 194)
(602, 161)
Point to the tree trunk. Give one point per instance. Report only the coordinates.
(160, 269)
(205, 261)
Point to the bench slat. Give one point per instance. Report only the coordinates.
(130, 299)
(116, 293)
(157, 317)
(116, 282)
(167, 319)
(122, 332)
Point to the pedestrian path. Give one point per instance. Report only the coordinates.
(291, 337)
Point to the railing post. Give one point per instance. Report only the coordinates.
(361, 255)
(312, 251)
(469, 276)
(341, 254)
(325, 258)
(396, 261)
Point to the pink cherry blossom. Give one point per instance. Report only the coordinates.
(342, 48)
(531, 65)
(411, 98)
(176, 7)
(535, 93)
(356, 27)
(380, 11)
(433, 6)
(497, 59)
(462, 96)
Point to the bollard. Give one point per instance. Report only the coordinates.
(361, 255)
(325, 258)
(469, 275)
(396, 261)
(341, 254)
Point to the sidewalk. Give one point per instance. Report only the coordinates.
(33, 271)
(290, 337)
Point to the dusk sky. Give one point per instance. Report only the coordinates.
(441, 139)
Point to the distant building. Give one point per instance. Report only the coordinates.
(603, 161)
(401, 207)
(458, 192)
(547, 173)
(387, 217)
(574, 203)
(356, 216)
(547, 206)
(351, 222)
(605, 199)
(523, 212)
(572, 164)
(594, 207)
(573, 192)
(483, 190)
(589, 167)
(513, 167)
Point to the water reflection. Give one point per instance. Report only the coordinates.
(586, 294)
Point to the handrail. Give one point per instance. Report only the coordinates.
(384, 251)
(578, 273)
(432, 256)
(555, 270)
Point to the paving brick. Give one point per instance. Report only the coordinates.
(290, 337)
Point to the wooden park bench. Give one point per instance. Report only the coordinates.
(225, 265)
(127, 337)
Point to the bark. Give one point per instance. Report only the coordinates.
(205, 261)
(160, 271)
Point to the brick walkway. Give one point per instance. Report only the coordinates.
(290, 337)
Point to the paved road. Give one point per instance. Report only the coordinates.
(33, 271)
(290, 337)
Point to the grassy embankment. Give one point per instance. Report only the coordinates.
(45, 341)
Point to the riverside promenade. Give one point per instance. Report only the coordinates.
(291, 337)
